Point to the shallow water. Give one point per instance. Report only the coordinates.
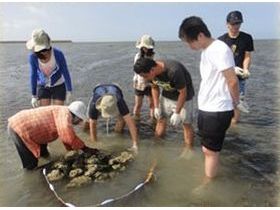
(249, 170)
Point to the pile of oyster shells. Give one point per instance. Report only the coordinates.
(82, 168)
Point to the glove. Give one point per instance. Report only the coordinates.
(246, 74)
(68, 97)
(175, 119)
(238, 71)
(34, 102)
(243, 107)
(157, 113)
(134, 149)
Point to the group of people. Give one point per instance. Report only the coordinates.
(224, 68)
(167, 84)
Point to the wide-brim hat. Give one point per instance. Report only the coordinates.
(40, 40)
(145, 41)
(107, 105)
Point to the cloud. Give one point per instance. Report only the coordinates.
(18, 21)
(38, 11)
(17, 29)
(18, 24)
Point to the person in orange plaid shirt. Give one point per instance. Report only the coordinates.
(32, 127)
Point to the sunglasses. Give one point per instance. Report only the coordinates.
(41, 54)
(235, 24)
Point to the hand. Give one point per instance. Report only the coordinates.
(157, 113)
(34, 102)
(68, 97)
(238, 71)
(246, 74)
(175, 119)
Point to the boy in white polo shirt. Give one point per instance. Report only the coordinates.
(218, 93)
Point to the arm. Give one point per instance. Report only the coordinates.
(132, 129)
(66, 132)
(247, 60)
(92, 130)
(65, 73)
(33, 76)
(155, 95)
(232, 82)
(181, 99)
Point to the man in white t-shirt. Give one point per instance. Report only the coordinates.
(218, 94)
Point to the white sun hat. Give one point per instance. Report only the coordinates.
(40, 40)
(145, 41)
(78, 108)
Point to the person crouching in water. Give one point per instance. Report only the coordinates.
(175, 99)
(141, 87)
(108, 100)
(32, 127)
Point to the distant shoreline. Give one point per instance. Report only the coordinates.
(54, 41)
(84, 42)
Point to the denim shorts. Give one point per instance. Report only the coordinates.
(242, 83)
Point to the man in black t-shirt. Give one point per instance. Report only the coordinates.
(242, 45)
(175, 100)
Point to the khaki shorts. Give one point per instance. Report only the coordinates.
(168, 106)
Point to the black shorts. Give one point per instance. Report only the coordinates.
(212, 128)
(147, 91)
(56, 92)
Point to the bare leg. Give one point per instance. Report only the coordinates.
(44, 102)
(160, 128)
(119, 125)
(151, 104)
(236, 117)
(137, 107)
(211, 162)
(188, 135)
(58, 102)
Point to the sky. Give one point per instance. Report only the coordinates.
(97, 21)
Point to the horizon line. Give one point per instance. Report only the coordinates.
(91, 41)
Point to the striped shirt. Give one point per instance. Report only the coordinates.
(43, 125)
